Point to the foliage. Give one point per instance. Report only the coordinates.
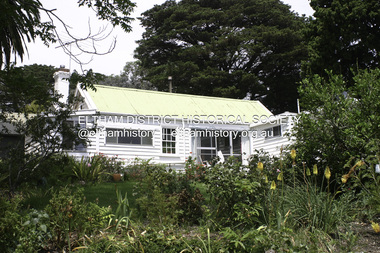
(338, 122)
(264, 239)
(158, 208)
(116, 12)
(313, 208)
(235, 193)
(343, 35)
(30, 111)
(96, 168)
(166, 195)
(71, 216)
(194, 170)
(20, 21)
(131, 77)
(224, 48)
(10, 223)
(34, 234)
(89, 169)
(122, 214)
(365, 179)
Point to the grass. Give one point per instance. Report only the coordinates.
(104, 194)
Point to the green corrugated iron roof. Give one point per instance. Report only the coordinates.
(109, 99)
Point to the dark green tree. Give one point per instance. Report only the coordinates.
(131, 77)
(344, 35)
(225, 48)
(341, 120)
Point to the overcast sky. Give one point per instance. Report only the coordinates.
(113, 63)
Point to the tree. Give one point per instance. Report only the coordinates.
(340, 121)
(20, 20)
(132, 77)
(343, 36)
(29, 110)
(225, 48)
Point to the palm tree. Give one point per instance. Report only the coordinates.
(18, 22)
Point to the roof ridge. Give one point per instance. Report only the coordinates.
(176, 94)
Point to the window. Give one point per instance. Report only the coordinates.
(209, 143)
(168, 141)
(124, 136)
(273, 132)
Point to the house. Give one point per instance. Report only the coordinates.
(169, 127)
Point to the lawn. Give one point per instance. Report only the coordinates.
(104, 194)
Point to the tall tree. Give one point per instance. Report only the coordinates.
(344, 35)
(225, 48)
(132, 77)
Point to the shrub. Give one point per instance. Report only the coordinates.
(71, 216)
(235, 193)
(89, 169)
(340, 121)
(34, 232)
(10, 223)
(161, 188)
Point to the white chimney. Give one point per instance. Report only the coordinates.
(61, 84)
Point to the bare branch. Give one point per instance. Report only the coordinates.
(78, 42)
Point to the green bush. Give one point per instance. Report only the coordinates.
(10, 223)
(340, 121)
(34, 232)
(236, 193)
(166, 194)
(71, 216)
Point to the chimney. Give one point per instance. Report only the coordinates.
(170, 78)
(61, 83)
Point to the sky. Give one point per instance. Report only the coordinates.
(110, 64)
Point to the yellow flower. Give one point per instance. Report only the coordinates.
(279, 177)
(308, 173)
(260, 166)
(266, 179)
(293, 154)
(345, 178)
(315, 169)
(359, 163)
(327, 173)
(273, 186)
(375, 227)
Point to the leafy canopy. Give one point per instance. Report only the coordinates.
(342, 121)
(344, 35)
(224, 48)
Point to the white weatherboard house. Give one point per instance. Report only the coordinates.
(169, 127)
